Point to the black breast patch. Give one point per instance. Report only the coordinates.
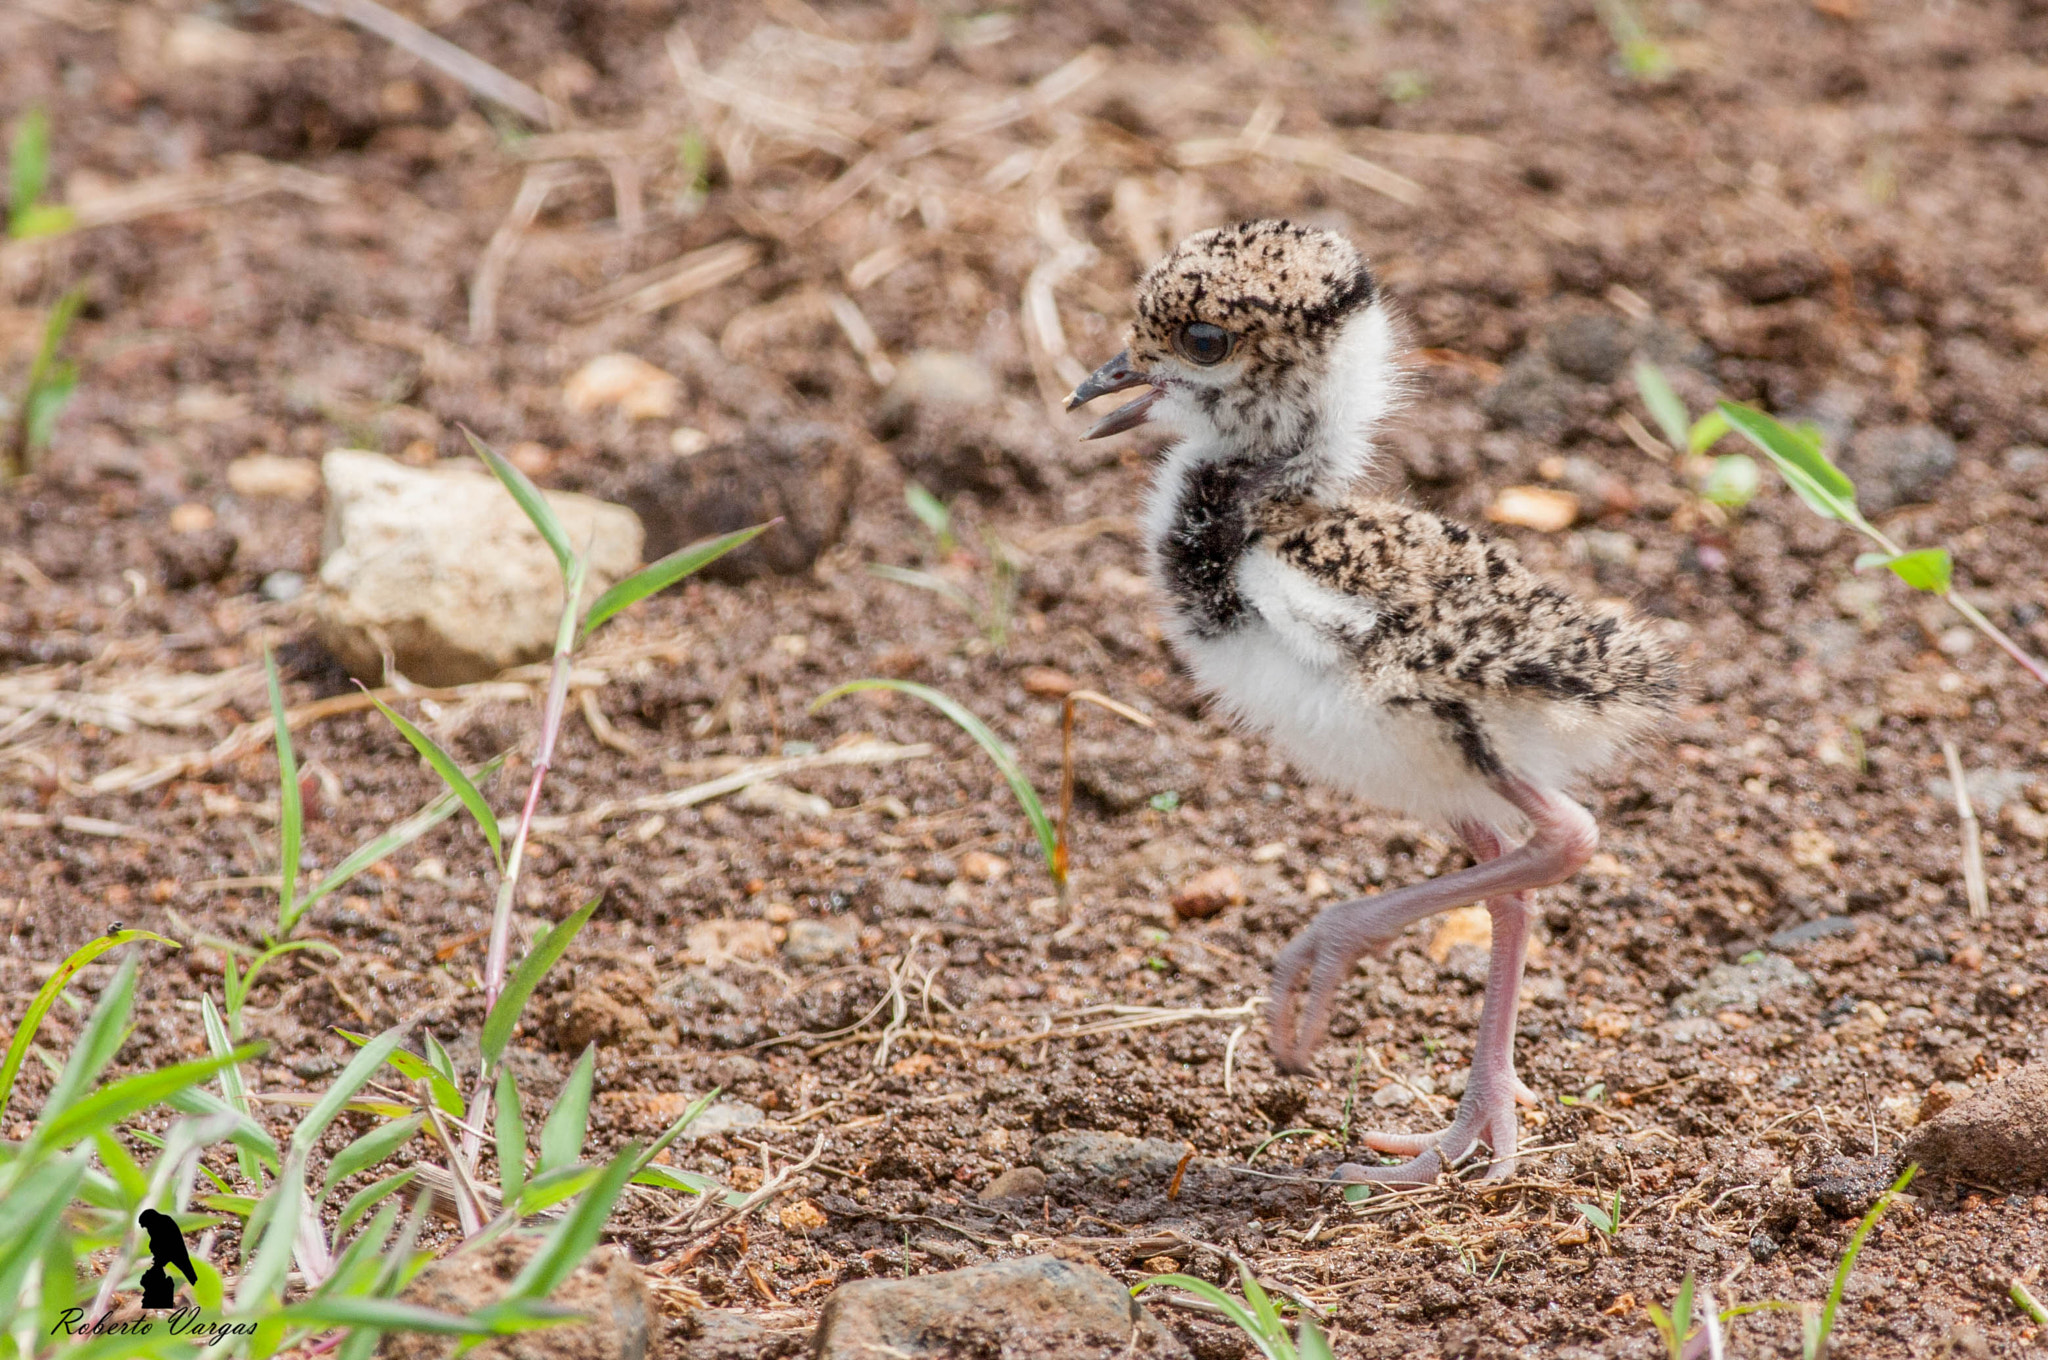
(1212, 529)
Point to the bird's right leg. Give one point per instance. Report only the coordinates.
(1314, 965)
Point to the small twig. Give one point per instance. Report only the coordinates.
(1973, 840)
(482, 78)
(540, 181)
(1060, 846)
(780, 1183)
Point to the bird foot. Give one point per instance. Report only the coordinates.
(1485, 1116)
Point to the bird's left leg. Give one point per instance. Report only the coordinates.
(1486, 1112)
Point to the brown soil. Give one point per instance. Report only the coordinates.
(1837, 209)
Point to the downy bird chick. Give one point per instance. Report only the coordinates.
(1389, 653)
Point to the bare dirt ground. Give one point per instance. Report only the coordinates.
(1837, 209)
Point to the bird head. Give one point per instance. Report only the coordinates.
(1263, 335)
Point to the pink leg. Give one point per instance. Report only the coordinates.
(1562, 839)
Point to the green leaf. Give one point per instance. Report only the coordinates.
(932, 513)
(675, 1130)
(31, 1211)
(131, 1095)
(511, 1129)
(561, 1137)
(1005, 762)
(1855, 1249)
(451, 774)
(1233, 1311)
(443, 1065)
(1798, 458)
(924, 580)
(46, 997)
(367, 1198)
(195, 1100)
(370, 1149)
(659, 576)
(276, 1233)
(1262, 1306)
(1928, 569)
(127, 1174)
(1709, 430)
(1313, 1344)
(1663, 404)
(687, 1182)
(549, 1188)
(291, 814)
(530, 500)
(1597, 1216)
(105, 1030)
(388, 1315)
(571, 1239)
(232, 1088)
(28, 167)
(43, 219)
(1681, 1309)
(356, 1266)
(1732, 481)
(406, 832)
(352, 1079)
(547, 947)
(47, 400)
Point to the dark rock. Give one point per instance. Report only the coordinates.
(1593, 347)
(1743, 986)
(1092, 1156)
(805, 473)
(1762, 1247)
(1019, 1182)
(195, 559)
(1032, 1308)
(1846, 1187)
(1774, 275)
(1996, 1137)
(717, 1334)
(607, 1289)
(1894, 465)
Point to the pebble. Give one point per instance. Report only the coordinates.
(1046, 682)
(280, 587)
(1208, 893)
(983, 867)
(269, 476)
(624, 381)
(1093, 1156)
(1542, 508)
(811, 944)
(1742, 987)
(1033, 1305)
(1996, 1137)
(191, 518)
(1019, 1182)
(1806, 932)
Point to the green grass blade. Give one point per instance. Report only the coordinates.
(1663, 404)
(1596, 1216)
(1681, 1312)
(232, 1088)
(370, 1149)
(1233, 1311)
(1884, 1201)
(46, 997)
(2028, 1304)
(511, 1127)
(572, 1238)
(353, 1078)
(561, 1137)
(1798, 458)
(1005, 762)
(451, 774)
(356, 1266)
(197, 1101)
(924, 580)
(105, 1029)
(404, 834)
(932, 513)
(110, 1105)
(1928, 569)
(388, 1315)
(530, 500)
(1311, 1342)
(367, 1198)
(275, 1235)
(28, 167)
(549, 1188)
(32, 1211)
(1709, 430)
(291, 813)
(675, 1130)
(504, 1016)
(1262, 1306)
(659, 576)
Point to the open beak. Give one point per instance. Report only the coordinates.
(1115, 376)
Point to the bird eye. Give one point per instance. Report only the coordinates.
(1204, 344)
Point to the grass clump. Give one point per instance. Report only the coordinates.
(993, 605)
(51, 381)
(1257, 1317)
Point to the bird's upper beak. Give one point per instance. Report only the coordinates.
(1115, 376)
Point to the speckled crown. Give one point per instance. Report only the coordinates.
(1254, 278)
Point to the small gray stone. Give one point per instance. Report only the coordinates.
(814, 943)
(2027, 461)
(722, 1117)
(281, 586)
(1032, 1308)
(718, 1334)
(1894, 465)
(1019, 1182)
(1806, 932)
(1996, 1137)
(1742, 987)
(1692, 1029)
(1094, 1156)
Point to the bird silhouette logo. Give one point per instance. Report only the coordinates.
(166, 1250)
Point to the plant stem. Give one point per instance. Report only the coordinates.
(1962, 606)
(478, 1112)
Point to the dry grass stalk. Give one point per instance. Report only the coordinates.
(540, 181)
(697, 272)
(479, 76)
(1974, 888)
(859, 753)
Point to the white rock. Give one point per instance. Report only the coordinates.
(270, 476)
(626, 381)
(440, 567)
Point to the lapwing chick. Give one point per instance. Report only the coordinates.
(1387, 652)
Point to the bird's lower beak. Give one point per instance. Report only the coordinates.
(1115, 376)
